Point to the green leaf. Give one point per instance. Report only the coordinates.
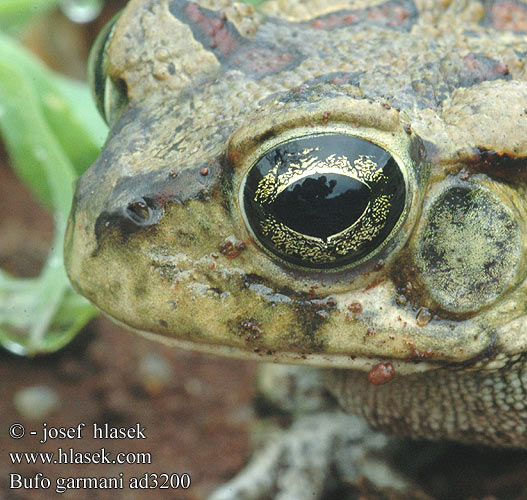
(63, 112)
(52, 134)
(40, 315)
(36, 154)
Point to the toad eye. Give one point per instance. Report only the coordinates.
(324, 201)
(110, 95)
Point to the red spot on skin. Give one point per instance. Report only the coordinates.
(381, 373)
(508, 15)
(355, 307)
(464, 174)
(251, 329)
(416, 353)
(231, 248)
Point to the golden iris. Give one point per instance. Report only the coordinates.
(323, 201)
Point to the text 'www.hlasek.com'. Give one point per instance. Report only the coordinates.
(105, 455)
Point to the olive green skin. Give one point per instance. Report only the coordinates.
(442, 87)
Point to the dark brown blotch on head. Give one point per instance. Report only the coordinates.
(209, 27)
(502, 166)
(217, 34)
(137, 203)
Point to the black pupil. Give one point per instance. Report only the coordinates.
(322, 204)
(324, 201)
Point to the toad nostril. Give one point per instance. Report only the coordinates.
(138, 211)
(143, 211)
